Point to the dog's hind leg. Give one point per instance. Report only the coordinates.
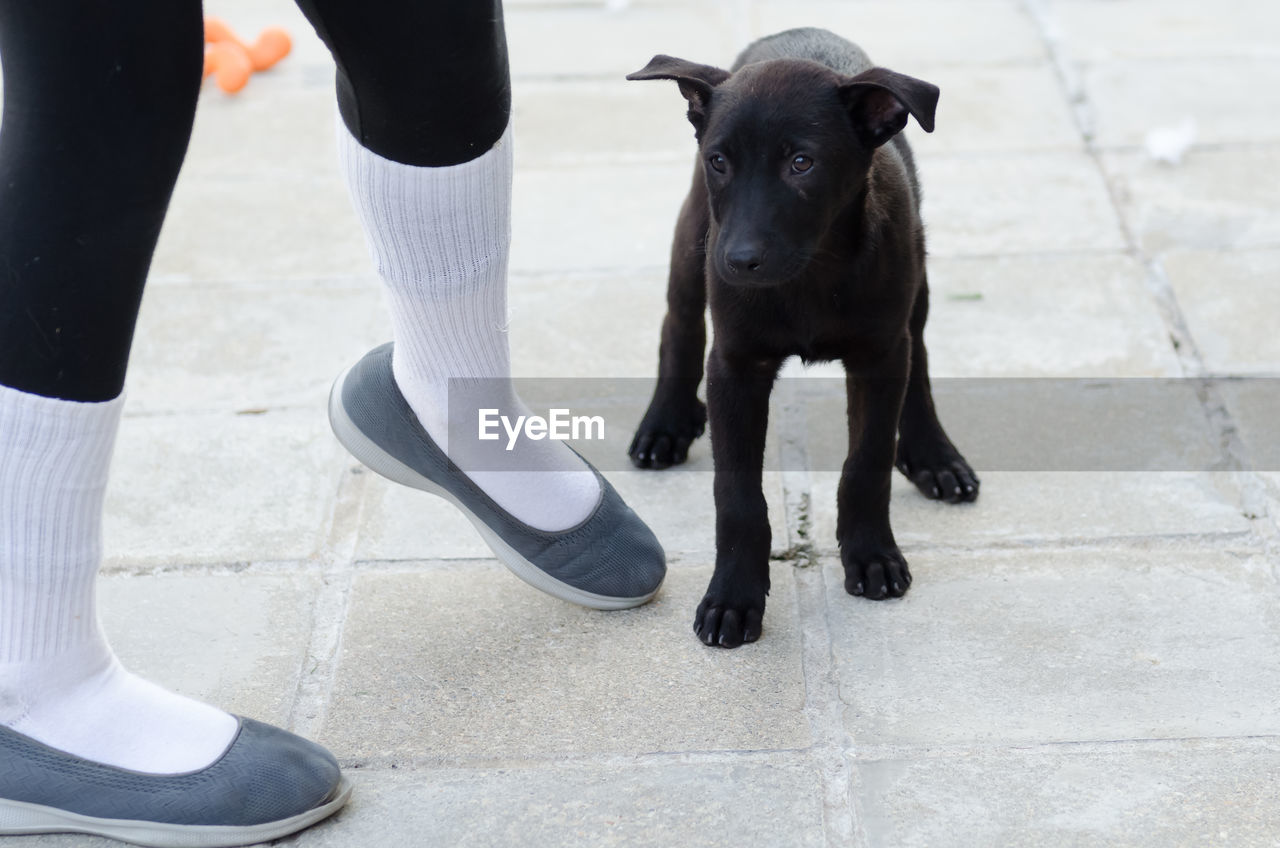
(676, 416)
(925, 453)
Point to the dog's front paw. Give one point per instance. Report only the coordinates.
(727, 624)
(875, 571)
(940, 474)
(664, 436)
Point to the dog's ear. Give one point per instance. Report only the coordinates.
(695, 81)
(880, 99)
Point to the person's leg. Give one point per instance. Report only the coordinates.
(420, 82)
(424, 97)
(99, 100)
(98, 104)
(424, 138)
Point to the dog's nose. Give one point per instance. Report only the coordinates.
(744, 260)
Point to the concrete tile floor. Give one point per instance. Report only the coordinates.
(1086, 657)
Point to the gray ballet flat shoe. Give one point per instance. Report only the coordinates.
(610, 561)
(267, 784)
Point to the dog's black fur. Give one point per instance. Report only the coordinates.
(803, 231)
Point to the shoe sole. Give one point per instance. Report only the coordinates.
(18, 818)
(378, 460)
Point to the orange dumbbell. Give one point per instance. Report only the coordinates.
(273, 44)
(232, 62)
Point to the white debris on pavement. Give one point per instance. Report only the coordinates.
(1170, 144)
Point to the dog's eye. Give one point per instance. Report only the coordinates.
(717, 162)
(801, 163)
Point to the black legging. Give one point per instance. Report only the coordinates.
(99, 99)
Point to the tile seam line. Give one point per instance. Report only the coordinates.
(233, 568)
(517, 274)
(1118, 544)
(823, 708)
(801, 557)
(1251, 489)
(869, 753)
(727, 756)
(367, 283)
(518, 78)
(331, 608)
(1252, 146)
(841, 818)
(1081, 747)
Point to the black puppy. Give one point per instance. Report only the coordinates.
(803, 231)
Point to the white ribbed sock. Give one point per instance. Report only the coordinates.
(440, 239)
(59, 681)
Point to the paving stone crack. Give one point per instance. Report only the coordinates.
(1249, 488)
